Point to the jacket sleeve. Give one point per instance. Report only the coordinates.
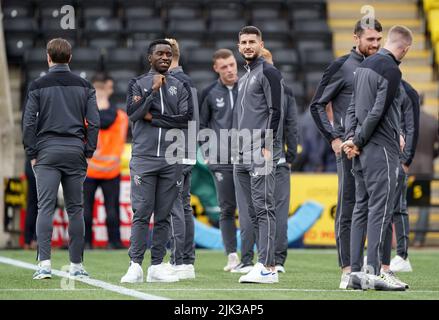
(410, 114)
(29, 121)
(291, 130)
(185, 106)
(350, 119)
(387, 88)
(329, 87)
(205, 111)
(274, 95)
(92, 120)
(138, 110)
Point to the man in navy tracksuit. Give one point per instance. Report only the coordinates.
(60, 131)
(217, 112)
(181, 218)
(410, 129)
(336, 87)
(154, 176)
(373, 130)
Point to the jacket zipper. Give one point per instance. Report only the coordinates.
(160, 129)
(245, 90)
(231, 99)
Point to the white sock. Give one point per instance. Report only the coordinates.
(45, 263)
(75, 265)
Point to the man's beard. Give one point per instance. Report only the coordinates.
(254, 57)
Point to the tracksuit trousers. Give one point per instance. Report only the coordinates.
(181, 220)
(68, 166)
(257, 190)
(225, 190)
(153, 190)
(376, 171)
(282, 200)
(400, 219)
(345, 207)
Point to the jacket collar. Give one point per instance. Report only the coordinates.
(252, 65)
(176, 70)
(152, 72)
(357, 56)
(224, 86)
(59, 68)
(386, 52)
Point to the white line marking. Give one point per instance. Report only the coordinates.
(218, 289)
(89, 281)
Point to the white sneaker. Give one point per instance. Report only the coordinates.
(275, 277)
(134, 274)
(161, 273)
(44, 270)
(232, 261)
(344, 281)
(280, 268)
(258, 274)
(242, 268)
(395, 279)
(77, 270)
(184, 271)
(384, 282)
(398, 264)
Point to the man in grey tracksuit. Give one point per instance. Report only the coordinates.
(154, 176)
(409, 129)
(336, 87)
(60, 130)
(260, 116)
(374, 121)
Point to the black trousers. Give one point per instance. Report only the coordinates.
(111, 190)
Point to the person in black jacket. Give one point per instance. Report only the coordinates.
(373, 133)
(60, 130)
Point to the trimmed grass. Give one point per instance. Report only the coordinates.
(311, 275)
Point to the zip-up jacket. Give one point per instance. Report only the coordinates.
(260, 104)
(410, 121)
(375, 110)
(60, 110)
(335, 86)
(217, 112)
(172, 103)
(159, 121)
(290, 135)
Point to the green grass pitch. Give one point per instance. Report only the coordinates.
(311, 274)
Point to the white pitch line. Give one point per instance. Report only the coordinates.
(89, 281)
(284, 289)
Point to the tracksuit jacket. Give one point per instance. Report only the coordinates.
(172, 103)
(336, 86)
(60, 110)
(261, 109)
(218, 111)
(375, 110)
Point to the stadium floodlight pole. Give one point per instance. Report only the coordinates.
(7, 140)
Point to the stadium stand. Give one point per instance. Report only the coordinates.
(113, 35)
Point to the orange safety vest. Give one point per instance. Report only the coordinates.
(105, 163)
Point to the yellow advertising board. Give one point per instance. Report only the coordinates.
(321, 188)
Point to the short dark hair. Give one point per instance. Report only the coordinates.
(99, 77)
(153, 44)
(358, 30)
(250, 30)
(221, 54)
(59, 50)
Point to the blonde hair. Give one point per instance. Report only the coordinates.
(266, 54)
(400, 35)
(174, 47)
